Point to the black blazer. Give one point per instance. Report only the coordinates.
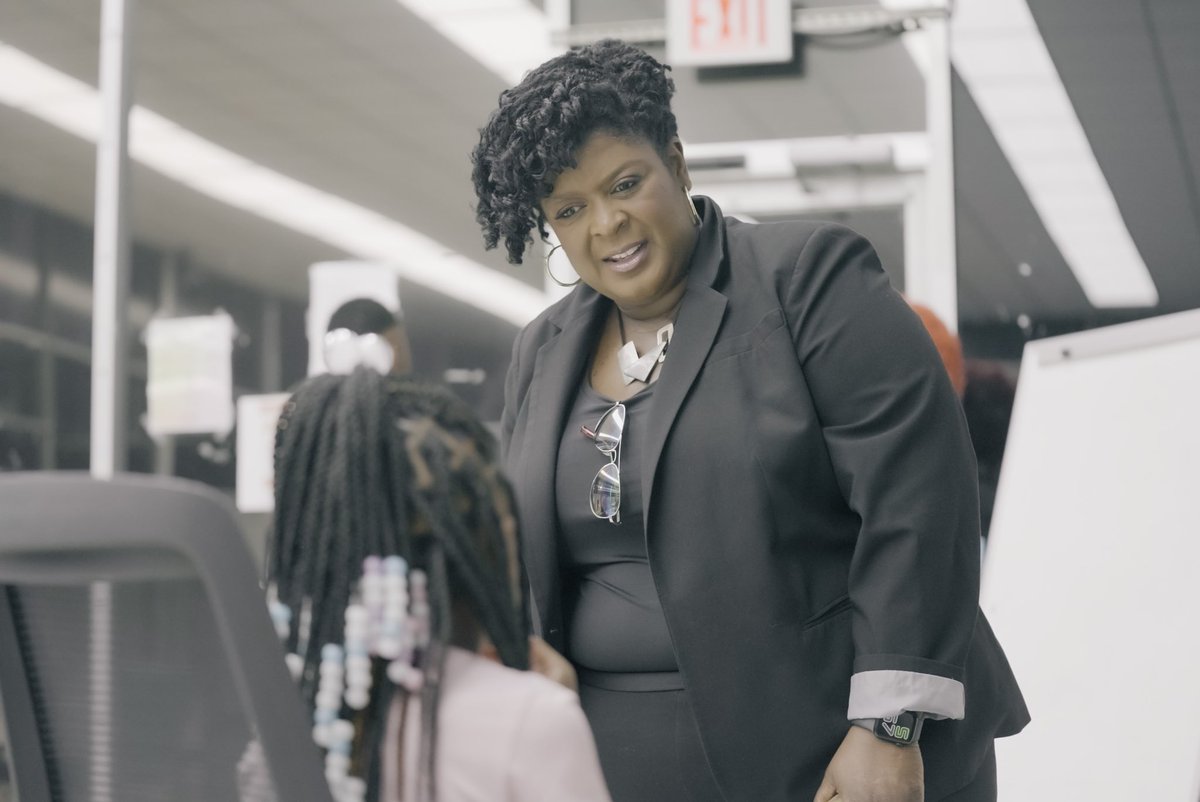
(810, 502)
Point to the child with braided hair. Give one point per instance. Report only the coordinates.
(397, 589)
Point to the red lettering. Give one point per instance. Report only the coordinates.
(698, 22)
(762, 21)
(725, 33)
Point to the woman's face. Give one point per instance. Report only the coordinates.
(623, 219)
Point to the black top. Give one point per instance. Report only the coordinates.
(614, 619)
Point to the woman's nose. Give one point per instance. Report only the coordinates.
(608, 219)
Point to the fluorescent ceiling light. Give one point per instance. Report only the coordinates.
(1002, 59)
(509, 37)
(37, 89)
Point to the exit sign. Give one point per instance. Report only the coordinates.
(714, 33)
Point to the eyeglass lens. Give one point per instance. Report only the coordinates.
(605, 495)
(606, 492)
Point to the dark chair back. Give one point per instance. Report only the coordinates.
(136, 653)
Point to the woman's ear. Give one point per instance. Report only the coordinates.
(677, 163)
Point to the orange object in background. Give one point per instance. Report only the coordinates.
(948, 346)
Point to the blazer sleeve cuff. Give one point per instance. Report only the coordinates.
(886, 692)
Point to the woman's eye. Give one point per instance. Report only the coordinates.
(567, 213)
(625, 185)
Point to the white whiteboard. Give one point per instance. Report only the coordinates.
(1092, 575)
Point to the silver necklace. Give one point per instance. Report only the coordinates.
(638, 368)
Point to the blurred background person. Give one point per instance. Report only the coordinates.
(988, 404)
(949, 347)
(750, 570)
(987, 393)
(367, 316)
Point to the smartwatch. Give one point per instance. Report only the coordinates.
(902, 729)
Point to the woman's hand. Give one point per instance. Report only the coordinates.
(866, 769)
(542, 660)
(549, 663)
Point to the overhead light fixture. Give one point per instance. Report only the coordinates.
(1003, 61)
(160, 144)
(509, 37)
(787, 176)
(783, 158)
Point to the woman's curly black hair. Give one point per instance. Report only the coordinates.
(533, 136)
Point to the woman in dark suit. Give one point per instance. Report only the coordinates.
(745, 482)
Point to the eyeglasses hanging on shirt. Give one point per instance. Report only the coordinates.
(605, 494)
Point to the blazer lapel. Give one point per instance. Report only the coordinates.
(558, 370)
(696, 326)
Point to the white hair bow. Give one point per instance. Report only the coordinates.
(345, 351)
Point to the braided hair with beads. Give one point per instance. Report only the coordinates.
(373, 465)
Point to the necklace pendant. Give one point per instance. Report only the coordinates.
(635, 368)
(664, 339)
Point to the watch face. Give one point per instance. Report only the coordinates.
(901, 729)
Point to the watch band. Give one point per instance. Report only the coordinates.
(903, 729)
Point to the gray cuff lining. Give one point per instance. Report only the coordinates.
(877, 694)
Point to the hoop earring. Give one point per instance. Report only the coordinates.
(692, 207)
(567, 284)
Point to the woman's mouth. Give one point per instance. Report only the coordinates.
(625, 260)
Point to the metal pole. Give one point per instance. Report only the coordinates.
(47, 362)
(934, 280)
(110, 283)
(168, 300)
(559, 20)
(558, 15)
(271, 346)
(110, 290)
